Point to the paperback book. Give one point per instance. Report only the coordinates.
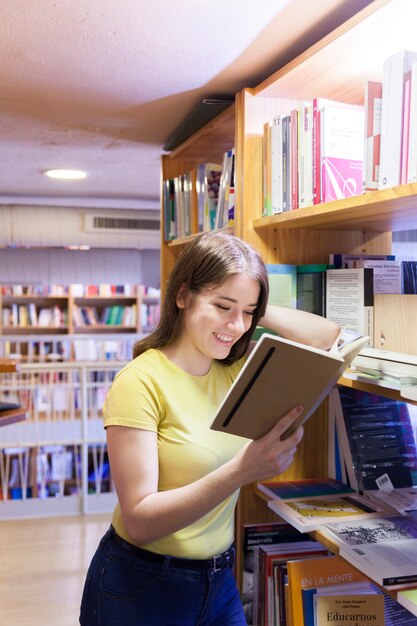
(383, 548)
(315, 573)
(306, 487)
(377, 440)
(309, 513)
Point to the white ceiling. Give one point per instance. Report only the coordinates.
(101, 85)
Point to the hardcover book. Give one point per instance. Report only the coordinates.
(254, 535)
(315, 573)
(268, 386)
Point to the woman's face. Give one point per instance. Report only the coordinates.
(216, 318)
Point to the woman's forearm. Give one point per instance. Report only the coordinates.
(161, 513)
(300, 326)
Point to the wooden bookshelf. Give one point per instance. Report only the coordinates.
(61, 310)
(336, 68)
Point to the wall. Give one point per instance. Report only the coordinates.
(59, 266)
(40, 226)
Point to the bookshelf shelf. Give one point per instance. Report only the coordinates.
(385, 210)
(379, 390)
(19, 310)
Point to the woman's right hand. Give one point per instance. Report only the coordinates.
(270, 455)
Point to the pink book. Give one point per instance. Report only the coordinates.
(342, 151)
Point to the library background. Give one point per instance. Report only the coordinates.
(316, 166)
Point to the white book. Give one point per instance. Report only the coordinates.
(276, 165)
(305, 155)
(384, 548)
(412, 139)
(349, 299)
(385, 362)
(392, 113)
(387, 274)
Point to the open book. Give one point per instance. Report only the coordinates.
(279, 375)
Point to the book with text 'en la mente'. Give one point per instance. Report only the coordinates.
(278, 375)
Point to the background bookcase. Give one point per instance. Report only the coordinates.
(336, 67)
(54, 462)
(68, 312)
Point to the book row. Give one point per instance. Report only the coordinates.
(76, 289)
(291, 580)
(212, 187)
(52, 471)
(323, 150)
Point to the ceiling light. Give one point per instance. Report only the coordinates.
(66, 174)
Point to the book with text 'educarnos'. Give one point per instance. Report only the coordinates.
(314, 573)
(359, 609)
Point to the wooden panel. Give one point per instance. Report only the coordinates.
(210, 142)
(314, 246)
(395, 322)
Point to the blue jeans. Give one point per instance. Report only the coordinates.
(126, 586)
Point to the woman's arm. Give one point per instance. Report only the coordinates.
(149, 514)
(300, 326)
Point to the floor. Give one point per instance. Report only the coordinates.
(42, 568)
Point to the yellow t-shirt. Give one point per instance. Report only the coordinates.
(153, 393)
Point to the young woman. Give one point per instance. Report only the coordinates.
(167, 557)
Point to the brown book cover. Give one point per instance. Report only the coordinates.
(279, 375)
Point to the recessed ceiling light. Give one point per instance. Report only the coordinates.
(66, 174)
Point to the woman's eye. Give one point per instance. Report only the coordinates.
(223, 308)
(251, 313)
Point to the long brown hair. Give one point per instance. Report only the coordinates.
(208, 260)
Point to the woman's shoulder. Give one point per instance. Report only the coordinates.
(142, 366)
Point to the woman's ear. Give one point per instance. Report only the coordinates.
(181, 296)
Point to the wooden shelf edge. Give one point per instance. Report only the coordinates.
(393, 394)
(386, 209)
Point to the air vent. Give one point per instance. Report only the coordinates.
(96, 223)
(405, 236)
